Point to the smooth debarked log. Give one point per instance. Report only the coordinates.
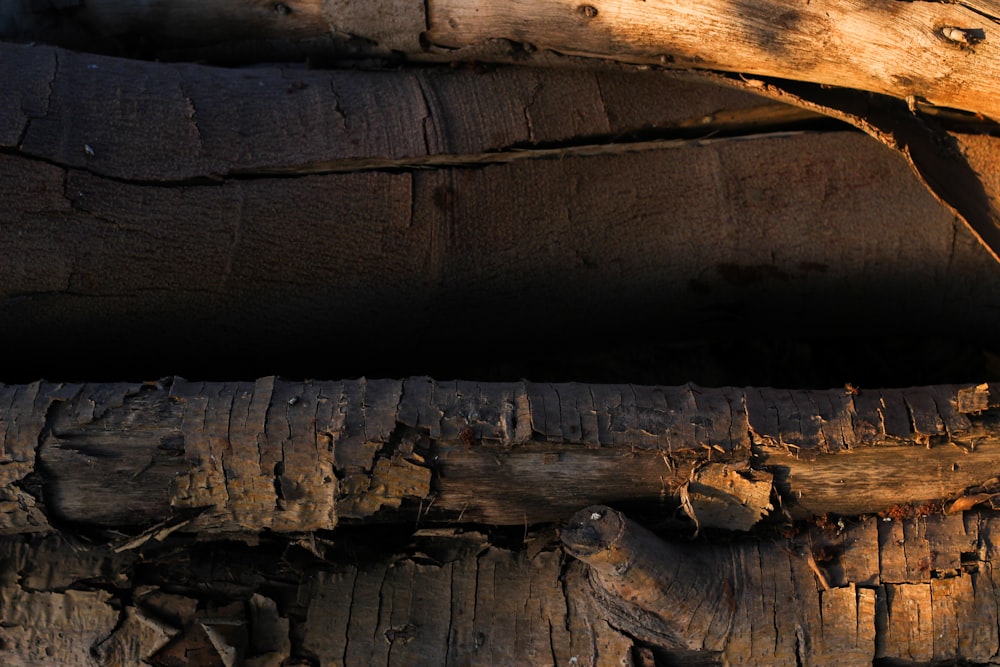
(244, 457)
(551, 216)
(943, 53)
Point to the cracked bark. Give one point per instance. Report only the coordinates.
(919, 589)
(290, 457)
(769, 607)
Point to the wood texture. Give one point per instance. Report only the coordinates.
(944, 53)
(184, 238)
(921, 594)
(272, 455)
(921, 589)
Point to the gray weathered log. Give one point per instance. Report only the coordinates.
(919, 591)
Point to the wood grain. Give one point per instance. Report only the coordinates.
(274, 455)
(941, 53)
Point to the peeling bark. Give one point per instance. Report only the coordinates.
(304, 456)
(919, 590)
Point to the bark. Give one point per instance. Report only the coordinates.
(294, 457)
(939, 52)
(916, 591)
(589, 192)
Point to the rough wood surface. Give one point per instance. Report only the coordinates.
(913, 590)
(919, 590)
(186, 236)
(283, 456)
(944, 53)
(177, 123)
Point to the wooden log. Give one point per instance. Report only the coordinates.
(306, 234)
(943, 53)
(921, 589)
(829, 597)
(295, 457)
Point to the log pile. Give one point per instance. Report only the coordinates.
(655, 213)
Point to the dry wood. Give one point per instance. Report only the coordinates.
(924, 52)
(179, 123)
(303, 456)
(944, 53)
(921, 590)
(184, 237)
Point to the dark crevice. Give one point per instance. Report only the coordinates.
(649, 138)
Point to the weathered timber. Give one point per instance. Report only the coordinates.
(283, 456)
(949, 163)
(175, 123)
(467, 603)
(348, 223)
(921, 590)
(945, 53)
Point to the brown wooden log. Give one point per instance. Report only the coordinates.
(942, 53)
(295, 457)
(589, 195)
(926, 54)
(918, 590)
(913, 591)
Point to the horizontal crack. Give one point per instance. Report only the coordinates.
(767, 121)
(500, 157)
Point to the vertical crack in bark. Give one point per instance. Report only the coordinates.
(211, 412)
(237, 237)
(449, 640)
(564, 589)
(377, 623)
(475, 602)
(123, 610)
(349, 604)
(33, 484)
(492, 637)
(559, 406)
(526, 110)
(800, 645)
(363, 406)
(227, 452)
(601, 99)
(338, 111)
